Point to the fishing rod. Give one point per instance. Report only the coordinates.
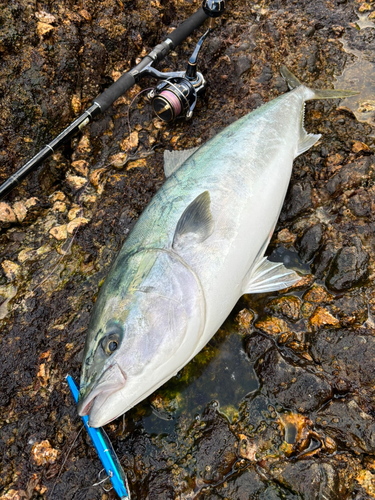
(175, 96)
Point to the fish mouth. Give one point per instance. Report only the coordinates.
(111, 380)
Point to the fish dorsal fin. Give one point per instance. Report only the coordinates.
(174, 159)
(196, 223)
(269, 276)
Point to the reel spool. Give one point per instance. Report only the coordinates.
(176, 96)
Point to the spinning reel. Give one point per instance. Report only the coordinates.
(175, 96)
(177, 93)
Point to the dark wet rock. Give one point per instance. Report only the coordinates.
(215, 453)
(288, 307)
(360, 204)
(242, 65)
(256, 346)
(310, 31)
(208, 495)
(309, 480)
(323, 259)
(258, 430)
(255, 410)
(310, 242)
(292, 386)
(348, 425)
(266, 74)
(141, 451)
(312, 59)
(244, 46)
(17, 236)
(309, 58)
(346, 358)
(280, 84)
(276, 492)
(349, 267)
(213, 45)
(298, 200)
(256, 100)
(350, 175)
(351, 310)
(244, 485)
(159, 485)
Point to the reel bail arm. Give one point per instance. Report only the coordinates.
(209, 9)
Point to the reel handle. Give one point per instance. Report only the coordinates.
(104, 100)
(127, 80)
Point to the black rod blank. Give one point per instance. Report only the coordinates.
(107, 98)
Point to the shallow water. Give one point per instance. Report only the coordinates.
(186, 440)
(359, 75)
(221, 372)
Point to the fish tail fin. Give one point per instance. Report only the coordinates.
(293, 82)
(332, 93)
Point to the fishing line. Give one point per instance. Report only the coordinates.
(70, 243)
(129, 158)
(130, 105)
(65, 459)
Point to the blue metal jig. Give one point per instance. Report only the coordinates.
(105, 451)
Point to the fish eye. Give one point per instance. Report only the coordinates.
(110, 343)
(112, 346)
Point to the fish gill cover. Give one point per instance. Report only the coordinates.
(302, 411)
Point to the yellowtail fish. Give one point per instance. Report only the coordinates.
(198, 246)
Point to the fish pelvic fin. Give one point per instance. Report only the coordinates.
(270, 276)
(293, 82)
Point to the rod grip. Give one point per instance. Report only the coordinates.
(108, 97)
(187, 27)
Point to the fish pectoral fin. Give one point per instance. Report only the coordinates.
(196, 223)
(306, 142)
(270, 276)
(174, 159)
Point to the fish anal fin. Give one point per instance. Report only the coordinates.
(270, 276)
(306, 141)
(174, 159)
(196, 223)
